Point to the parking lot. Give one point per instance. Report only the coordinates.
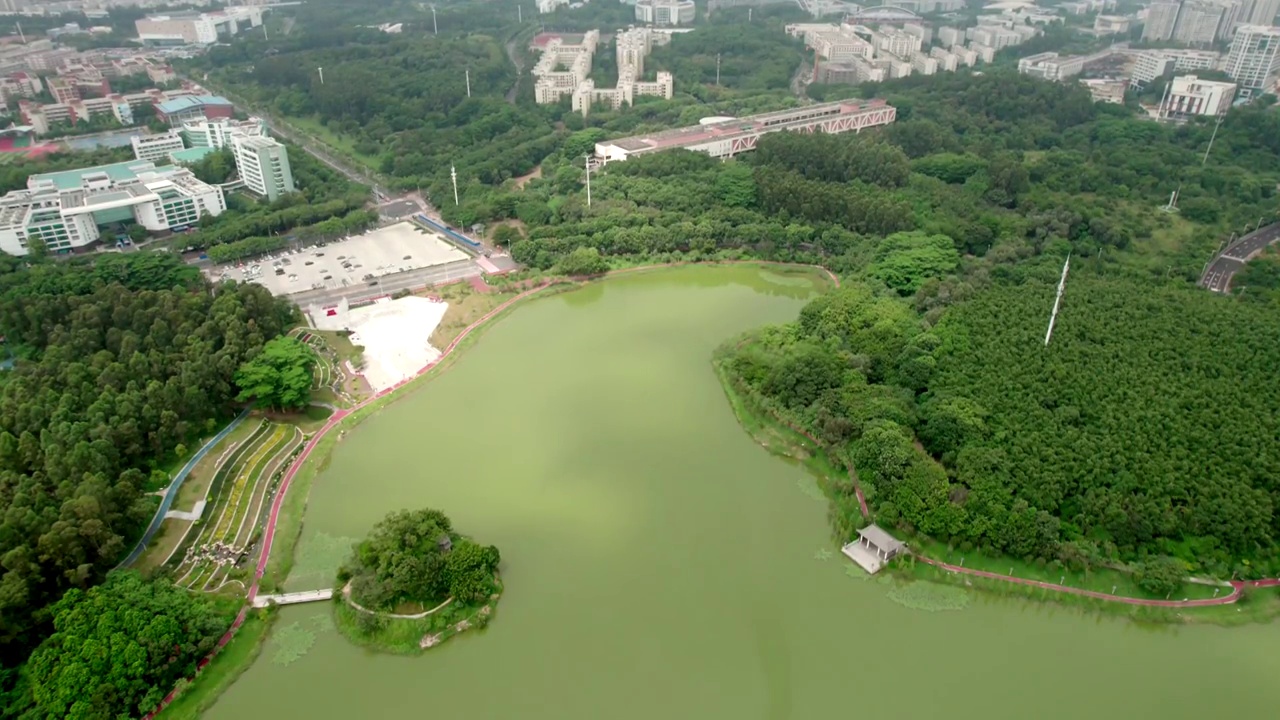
(356, 261)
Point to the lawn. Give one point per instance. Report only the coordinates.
(465, 307)
(170, 535)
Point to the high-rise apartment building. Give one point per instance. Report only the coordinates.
(1254, 58)
(1198, 22)
(1260, 12)
(263, 164)
(1162, 17)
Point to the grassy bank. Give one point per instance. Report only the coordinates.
(404, 636)
(199, 695)
(1256, 605)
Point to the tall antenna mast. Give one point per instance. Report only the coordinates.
(468, 74)
(1216, 125)
(435, 30)
(265, 35)
(717, 69)
(587, 163)
(321, 70)
(24, 37)
(520, 14)
(453, 175)
(1062, 285)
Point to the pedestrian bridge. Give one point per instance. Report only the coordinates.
(293, 598)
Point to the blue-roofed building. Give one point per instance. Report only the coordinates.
(181, 109)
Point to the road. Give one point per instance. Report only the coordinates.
(315, 148)
(439, 274)
(1218, 275)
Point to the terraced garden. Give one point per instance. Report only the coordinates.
(332, 379)
(209, 557)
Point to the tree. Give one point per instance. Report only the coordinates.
(119, 647)
(1161, 576)
(469, 571)
(415, 556)
(582, 262)
(279, 377)
(904, 261)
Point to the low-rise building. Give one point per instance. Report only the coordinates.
(1188, 96)
(178, 110)
(196, 28)
(64, 210)
(666, 12)
(1106, 90)
(156, 148)
(1111, 24)
(1051, 66)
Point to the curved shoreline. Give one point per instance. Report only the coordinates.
(339, 416)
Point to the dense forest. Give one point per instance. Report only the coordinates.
(120, 361)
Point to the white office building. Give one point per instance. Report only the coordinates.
(263, 165)
(1188, 96)
(155, 148)
(1051, 66)
(217, 133)
(1254, 58)
(666, 12)
(65, 210)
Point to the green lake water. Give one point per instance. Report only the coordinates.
(660, 564)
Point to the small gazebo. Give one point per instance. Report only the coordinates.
(873, 548)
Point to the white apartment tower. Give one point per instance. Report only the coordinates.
(1254, 58)
(1162, 17)
(1260, 12)
(263, 164)
(1198, 23)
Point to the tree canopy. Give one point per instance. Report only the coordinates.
(415, 556)
(120, 359)
(119, 647)
(279, 376)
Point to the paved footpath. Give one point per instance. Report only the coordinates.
(1237, 587)
(171, 493)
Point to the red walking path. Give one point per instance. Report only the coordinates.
(1237, 587)
(338, 416)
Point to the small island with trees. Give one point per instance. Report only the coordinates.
(414, 582)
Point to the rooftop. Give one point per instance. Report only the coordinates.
(737, 127)
(881, 539)
(71, 179)
(190, 102)
(190, 155)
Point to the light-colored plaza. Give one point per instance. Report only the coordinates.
(395, 335)
(355, 261)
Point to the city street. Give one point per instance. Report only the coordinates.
(1218, 277)
(387, 285)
